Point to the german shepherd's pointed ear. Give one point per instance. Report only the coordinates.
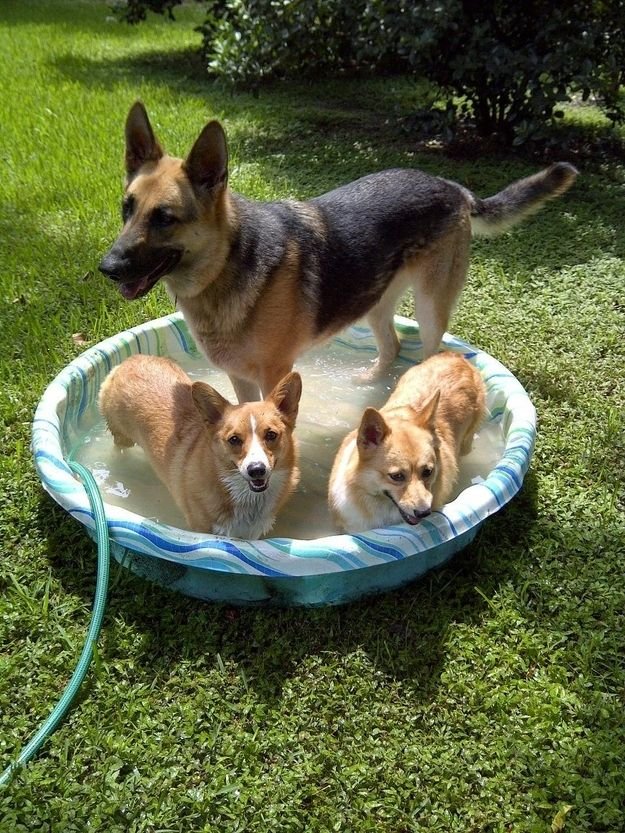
(141, 144)
(286, 395)
(372, 431)
(426, 413)
(207, 163)
(209, 402)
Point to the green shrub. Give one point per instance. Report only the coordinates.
(134, 11)
(247, 41)
(505, 65)
(511, 63)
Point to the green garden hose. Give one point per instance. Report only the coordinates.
(99, 604)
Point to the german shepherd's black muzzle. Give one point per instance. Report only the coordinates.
(137, 268)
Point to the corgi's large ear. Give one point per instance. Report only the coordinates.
(209, 402)
(207, 163)
(372, 431)
(286, 395)
(426, 412)
(141, 144)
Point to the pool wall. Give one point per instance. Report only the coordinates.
(283, 571)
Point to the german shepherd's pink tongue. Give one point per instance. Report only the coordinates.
(133, 290)
(130, 291)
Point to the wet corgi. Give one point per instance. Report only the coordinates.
(402, 461)
(229, 468)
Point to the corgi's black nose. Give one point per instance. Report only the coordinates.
(257, 471)
(421, 515)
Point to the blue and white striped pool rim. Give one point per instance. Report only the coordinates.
(328, 570)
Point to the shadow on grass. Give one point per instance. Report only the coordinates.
(402, 633)
(177, 68)
(63, 293)
(77, 16)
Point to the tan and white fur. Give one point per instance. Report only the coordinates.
(229, 468)
(260, 282)
(401, 463)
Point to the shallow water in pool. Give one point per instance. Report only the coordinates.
(331, 406)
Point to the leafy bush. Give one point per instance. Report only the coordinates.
(250, 40)
(504, 64)
(134, 11)
(247, 41)
(513, 62)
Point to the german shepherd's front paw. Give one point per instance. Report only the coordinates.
(371, 374)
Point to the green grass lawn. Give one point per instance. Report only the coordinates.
(489, 696)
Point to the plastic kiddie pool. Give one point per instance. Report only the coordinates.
(327, 570)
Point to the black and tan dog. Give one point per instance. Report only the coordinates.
(258, 283)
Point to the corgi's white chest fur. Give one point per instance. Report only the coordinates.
(340, 499)
(254, 513)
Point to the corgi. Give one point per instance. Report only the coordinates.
(229, 468)
(258, 283)
(401, 463)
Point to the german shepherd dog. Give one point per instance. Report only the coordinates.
(259, 283)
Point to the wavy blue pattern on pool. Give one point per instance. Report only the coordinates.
(273, 560)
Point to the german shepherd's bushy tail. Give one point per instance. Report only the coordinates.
(507, 208)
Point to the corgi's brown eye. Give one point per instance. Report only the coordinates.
(427, 471)
(235, 440)
(270, 436)
(397, 476)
